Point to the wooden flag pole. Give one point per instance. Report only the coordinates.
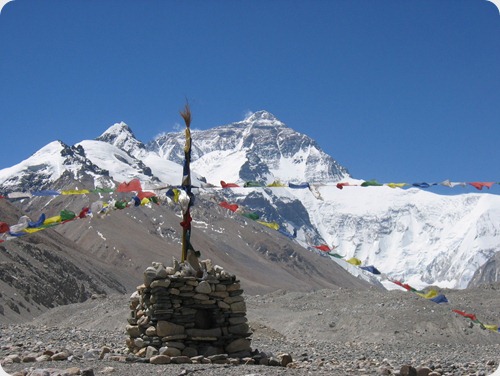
(186, 183)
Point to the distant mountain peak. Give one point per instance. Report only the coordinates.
(117, 130)
(263, 118)
(121, 136)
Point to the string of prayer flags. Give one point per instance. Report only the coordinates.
(26, 226)
(432, 294)
(135, 186)
(446, 183)
(475, 320)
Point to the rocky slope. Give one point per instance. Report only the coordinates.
(45, 270)
(96, 256)
(327, 332)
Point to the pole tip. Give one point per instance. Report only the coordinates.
(186, 114)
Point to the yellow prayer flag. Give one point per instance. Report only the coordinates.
(272, 225)
(32, 230)
(176, 194)
(429, 295)
(491, 327)
(75, 192)
(354, 261)
(276, 183)
(396, 185)
(55, 219)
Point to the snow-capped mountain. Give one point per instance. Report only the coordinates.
(412, 235)
(115, 156)
(49, 164)
(259, 148)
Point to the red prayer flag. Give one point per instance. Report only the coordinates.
(143, 194)
(232, 207)
(342, 185)
(465, 314)
(323, 247)
(398, 283)
(133, 186)
(407, 286)
(4, 227)
(479, 185)
(84, 212)
(228, 185)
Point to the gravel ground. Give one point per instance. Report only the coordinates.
(327, 332)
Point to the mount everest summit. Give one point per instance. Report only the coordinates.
(409, 234)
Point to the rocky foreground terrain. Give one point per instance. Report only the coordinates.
(326, 332)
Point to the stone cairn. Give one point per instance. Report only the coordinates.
(182, 315)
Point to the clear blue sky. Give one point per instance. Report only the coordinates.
(403, 91)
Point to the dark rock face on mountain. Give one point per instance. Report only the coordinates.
(488, 273)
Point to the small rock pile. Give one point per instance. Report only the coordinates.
(183, 315)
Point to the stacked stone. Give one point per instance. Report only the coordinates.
(176, 314)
